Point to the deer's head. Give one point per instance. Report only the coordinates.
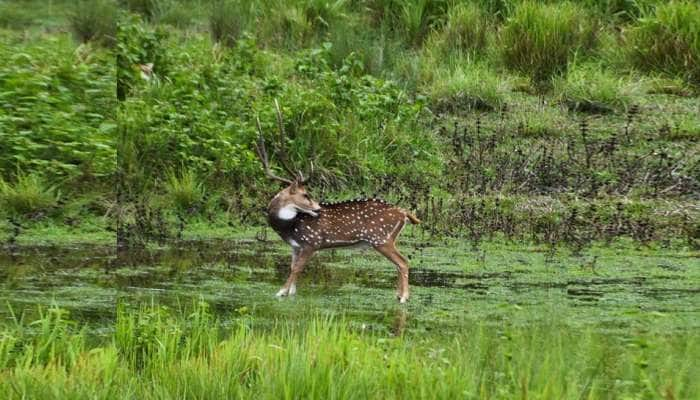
(293, 200)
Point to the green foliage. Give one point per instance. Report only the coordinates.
(138, 44)
(592, 88)
(541, 39)
(29, 195)
(667, 40)
(95, 20)
(227, 20)
(56, 108)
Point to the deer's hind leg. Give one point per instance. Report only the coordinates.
(389, 251)
(300, 256)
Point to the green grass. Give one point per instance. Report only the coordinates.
(154, 353)
(29, 194)
(470, 86)
(667, 40)
(592, 88)
(467, 30)
(540, 39)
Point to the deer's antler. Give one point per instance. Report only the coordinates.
(262, 153)
(279, 152)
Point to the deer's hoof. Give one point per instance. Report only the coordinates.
(403, 299)
(283, 292)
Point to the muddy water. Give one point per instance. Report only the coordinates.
(452, 284)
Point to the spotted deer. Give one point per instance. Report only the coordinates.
(308, 226)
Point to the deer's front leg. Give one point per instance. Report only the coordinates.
(300, 255)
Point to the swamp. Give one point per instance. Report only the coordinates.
(551, 150)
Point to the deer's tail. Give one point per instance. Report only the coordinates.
(412, 218)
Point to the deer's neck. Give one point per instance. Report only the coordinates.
(282, 219)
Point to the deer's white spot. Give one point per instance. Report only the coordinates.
(287, 212)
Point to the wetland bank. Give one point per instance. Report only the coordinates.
(551, 149)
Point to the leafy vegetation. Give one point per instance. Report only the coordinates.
(549, 99)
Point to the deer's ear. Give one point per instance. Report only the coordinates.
(293, 187)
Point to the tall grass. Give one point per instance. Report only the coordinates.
(227, 20)
(667, 40)
(467, 29)
(155, 353)
(541, 39)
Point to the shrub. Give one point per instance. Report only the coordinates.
(94, 21)
(29, 195)
(540, 39)
(138, 44)
(667, 41)
(467, 29)
(227, 21)
(592, 88)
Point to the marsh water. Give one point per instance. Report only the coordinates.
(619, 288)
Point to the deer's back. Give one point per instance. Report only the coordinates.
(350, 223)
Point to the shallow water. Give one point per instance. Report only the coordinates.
(620, 289)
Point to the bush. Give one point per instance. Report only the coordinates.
(540, 39)
(592, 88)
(227, 21)
(667, 41)
(94, 21)
(29, 195)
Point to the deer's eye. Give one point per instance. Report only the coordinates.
(306, 196)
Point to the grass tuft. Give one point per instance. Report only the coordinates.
(469, 87)
(228, 20)
(594, 89)
(185, 190)
(467, 29)
(29, 195)
(540, 39)
(668, 40)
